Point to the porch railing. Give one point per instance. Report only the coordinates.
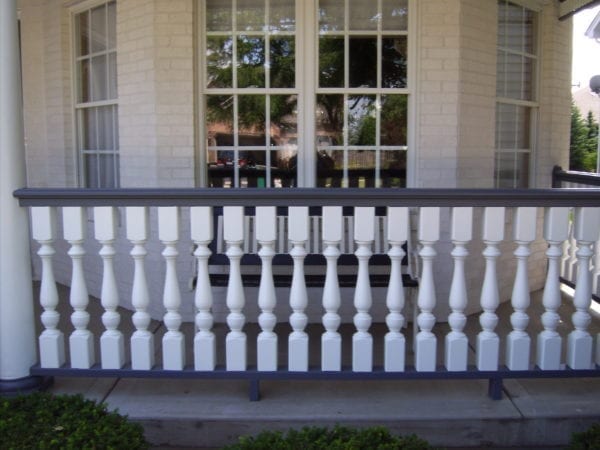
(458, 216)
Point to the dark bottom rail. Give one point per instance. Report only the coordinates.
(495, 378)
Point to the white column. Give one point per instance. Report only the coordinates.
(426, 342)
(142, 340)
(579, 348)
(266, 234)
(81, 341)
(52, 343)
(112, 349)
(362, 341)
(235, 342)
(394, 342)
(488, 342)
(549, 342)
(205, 352)
(518, 343)
(298, 339)
(457, 344)
(173, 342)
(331, 341)
(16, 296)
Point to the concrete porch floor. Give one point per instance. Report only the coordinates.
(533, 413)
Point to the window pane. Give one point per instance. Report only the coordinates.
(505, 170)
(99, 81)
(330, 18)
(251, 62)
(393, 62)
(81, 23)
(529, 33)
(99, 32)
(283, 166)
(330, 120)
(394, 119)
(283, 63)
(112, 25)
(393, 168)
(219, 123)
(218, 15)
(250, 15)
(331, 62)
(89, 129)
(330, 168)
(252, 166)
(219, 57)
(112, 76)
(363, 62)
(395, 15)
(513, 126)
(284, 120)
(220, 168)
(363, 15)
(361, 168)
(522, 171)
(251, 118)
(83, 69)
(107, 164)
(90, 163)
(283, 15)
(361, 120)
(105, 128)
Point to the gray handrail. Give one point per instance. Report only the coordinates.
(569, 176)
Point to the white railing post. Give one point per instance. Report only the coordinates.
(518, 344)
(331, 341)
(488, 342)
(17, 329)
(266, 235)
(426, 342)
(362, 341)
(579, 349)
(173, 342)
(235, 342)
(81, 341)
(549, 342)
(298, 339)
(205, 352)
(456, 341)
(112, 348)
(142, 340)
(394, 342)
(52, 343)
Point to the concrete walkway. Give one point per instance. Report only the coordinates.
(448, 413)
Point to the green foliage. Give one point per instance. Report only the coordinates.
(584, 141)
(338, 438)
(43, 421)
(586, 440)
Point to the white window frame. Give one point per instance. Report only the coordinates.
(75, 9)
(532, 105)
(307, 82)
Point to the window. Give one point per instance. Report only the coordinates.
(516, 103)
(96, 96)
(300, 93)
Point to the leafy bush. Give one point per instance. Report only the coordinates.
(586, 440)
(339, 438)
(44, 421)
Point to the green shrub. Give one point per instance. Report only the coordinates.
(44, 421)
(338, 438)
(586, 440)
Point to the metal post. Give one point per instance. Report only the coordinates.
(17, 334)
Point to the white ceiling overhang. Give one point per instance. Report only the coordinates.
(566, 8)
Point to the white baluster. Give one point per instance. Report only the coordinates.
(51, 341)
(298, 339)
(596, 267)
(362, 341)
(579, 349)
(456, 341)
(331, 341)
(394, 342)
(426, 342)
(266, 235)
(112, 348)
(142, 340)
(173, 342)
(572, 260)
(235, 343)
(81, 341)
(205, 353)
(549, 342)
(488, 343)
(518, 343)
